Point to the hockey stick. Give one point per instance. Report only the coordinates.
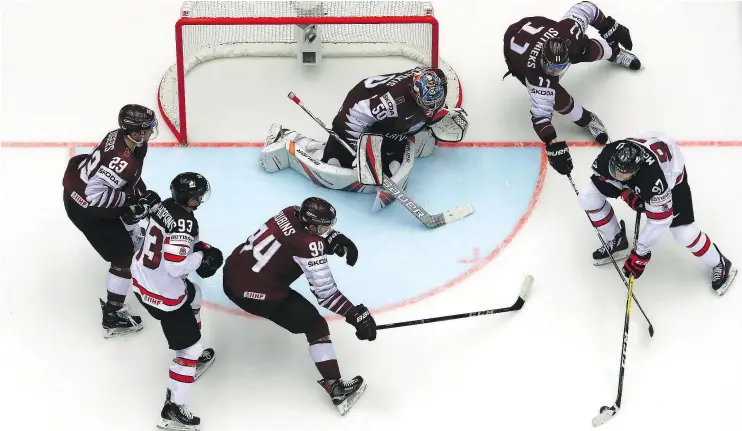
(525, 287)
(429, 220)
(615, 264)
(608, 412)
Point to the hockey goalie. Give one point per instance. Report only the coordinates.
(396, 118)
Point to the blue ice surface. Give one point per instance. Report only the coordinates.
(399, 258)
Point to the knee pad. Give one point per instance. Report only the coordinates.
(190, 353)
(685, 235)
(318, 331)
(590, 198)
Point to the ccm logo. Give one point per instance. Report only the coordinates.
(254, 295)
(542, 92)
(317, 262)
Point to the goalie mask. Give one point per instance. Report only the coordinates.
(138, 123)
(428, 91)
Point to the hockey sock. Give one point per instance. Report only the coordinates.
(118, 282)
(323, 355)
(605, 220)
(183, 371)
(698, 243)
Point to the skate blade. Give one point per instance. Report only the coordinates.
(167, 424)
(120, 332)
(730, 279)
(621, 255)
(348, 402)
(203, 368)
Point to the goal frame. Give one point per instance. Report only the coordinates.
(181, 132)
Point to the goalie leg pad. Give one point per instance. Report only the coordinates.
(424, 143)
(274, 156)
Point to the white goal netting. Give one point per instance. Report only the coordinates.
(209, 30)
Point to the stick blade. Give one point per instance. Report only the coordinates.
(457, 213)
(606, 413)
(525, 288)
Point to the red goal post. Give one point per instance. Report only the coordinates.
(308, 30)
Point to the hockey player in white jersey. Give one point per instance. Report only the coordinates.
(170, 251)
(648, 172)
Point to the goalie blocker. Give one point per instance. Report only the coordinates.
(287, 148)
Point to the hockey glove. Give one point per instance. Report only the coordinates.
(364, 323)
(559, 157)
(139, 205)
(633, 200)
(212, 260)
(340, 245)
(616, 34)
(636, 264)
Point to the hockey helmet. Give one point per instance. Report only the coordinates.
(428, 91)
(140, 120)
(187, 186)
(317, 215)
(555, 56)
(625, 160)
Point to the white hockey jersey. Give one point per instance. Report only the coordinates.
(166, 256)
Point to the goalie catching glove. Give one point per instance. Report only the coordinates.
(450, 125)
(212, 260)
(363, 321)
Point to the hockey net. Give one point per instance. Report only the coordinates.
(209, 30)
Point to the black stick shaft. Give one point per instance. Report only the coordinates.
(615, 264)
(517, 306)
(627, 317)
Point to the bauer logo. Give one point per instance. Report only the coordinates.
(254, 295)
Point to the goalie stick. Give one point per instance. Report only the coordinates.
(615, 264)
(606, 413)
(430, 220)
(525, 287)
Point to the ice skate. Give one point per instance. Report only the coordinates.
(177, 417)
(120, 322)
(722, 275)
(344, 393)
(625, 58)
(597, 129)
(618, 247)
(204, 362)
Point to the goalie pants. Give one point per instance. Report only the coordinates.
(108, 236)
(294, 313)
(391, 150)
(181, 326)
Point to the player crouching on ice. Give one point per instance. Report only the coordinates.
(405, 113)
(258, 277)
(649, 174)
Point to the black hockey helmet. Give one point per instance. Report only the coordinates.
(625, 160)
(140, 120)
(190, 185)
(555, 56)
(318, 213)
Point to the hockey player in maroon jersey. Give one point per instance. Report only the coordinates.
(408, 109)
(258, 276)
(538, 51)
(648, 173)
(172, 250)
(105, 199)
